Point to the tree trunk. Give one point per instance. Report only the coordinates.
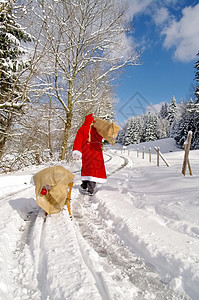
(2, 145)
(69, 116)
(3, 137)
(49, 129)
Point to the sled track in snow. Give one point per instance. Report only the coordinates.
(24, 276)
(118, 168)
(101, 237)
(118, 261)
(26, 268)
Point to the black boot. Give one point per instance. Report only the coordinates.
(91, 188)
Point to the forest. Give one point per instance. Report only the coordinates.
(58, 62)
(174, 119)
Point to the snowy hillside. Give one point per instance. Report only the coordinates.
(136, 238)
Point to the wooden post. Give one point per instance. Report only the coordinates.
(160, 155)
(189, 166)
(149, 154)
(187, 146)
(137, 152)
(143, 150)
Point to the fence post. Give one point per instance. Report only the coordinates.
(187, 145)
(158, 156)
(149, 154)
(143, 150)
(137, 152)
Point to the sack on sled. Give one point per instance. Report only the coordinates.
(108, 130)
(51, 188)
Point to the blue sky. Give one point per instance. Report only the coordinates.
(167, 35)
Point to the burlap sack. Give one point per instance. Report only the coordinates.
(56, 179)
(106, 129)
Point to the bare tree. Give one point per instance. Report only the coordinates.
(78, 36)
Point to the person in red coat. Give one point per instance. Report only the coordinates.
(87, 146)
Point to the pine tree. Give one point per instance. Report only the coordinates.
(132, 131)
(120, 137)
(11, 64)
(150, 127)
(197, 79)
(128, 133)
(186, 123)
(163, 114)
(172, 110)
(163, 128)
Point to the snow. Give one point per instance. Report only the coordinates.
(136, 238)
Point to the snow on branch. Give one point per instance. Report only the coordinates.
(15, 105)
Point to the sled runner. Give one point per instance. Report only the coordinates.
(53, 188)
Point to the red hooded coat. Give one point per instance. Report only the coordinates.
(93, 168)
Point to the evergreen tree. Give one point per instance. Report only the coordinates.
(163, 128)
(133, 131)
(172, 110)
(128, 133)
(186, 123)
(163, 114)
(197, 79)
(11, 64)
(120, 137)
(150, 127)
(195, 136)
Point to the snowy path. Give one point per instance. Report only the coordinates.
(92, 256)
(125, 275)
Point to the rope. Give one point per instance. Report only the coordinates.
(89, 133)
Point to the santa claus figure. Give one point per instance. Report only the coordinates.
(87, 146)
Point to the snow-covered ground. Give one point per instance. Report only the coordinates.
(136, 238)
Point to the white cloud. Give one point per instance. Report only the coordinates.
(137, 6)
(161, 16)
(184, 35)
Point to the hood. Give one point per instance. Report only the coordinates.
(89, 119)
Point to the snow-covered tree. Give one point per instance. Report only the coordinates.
(163, 114)
(197, 79)
(133, 130)
(120, 137)
(172, 110)
(150, 127)
(80, 35)
(129, 132)
(185, 123)
(12, 66)
(163, 128)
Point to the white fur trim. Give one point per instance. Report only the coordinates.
(76, 152)
(95, 179)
